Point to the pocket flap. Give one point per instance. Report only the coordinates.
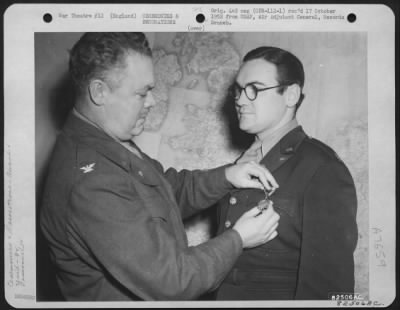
(158, 207)
(286, 203)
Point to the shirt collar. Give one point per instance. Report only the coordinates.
(268, 142)
(130, 146)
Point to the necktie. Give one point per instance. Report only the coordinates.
(132, 149)
(254, 153)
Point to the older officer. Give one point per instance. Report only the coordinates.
(111, 214)
(312, 257)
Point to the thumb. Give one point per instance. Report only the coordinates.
(253, 212)
(273, 235)
(254, 183)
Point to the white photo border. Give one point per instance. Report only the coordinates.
(22, 21)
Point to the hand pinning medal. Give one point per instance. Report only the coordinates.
(265, 203)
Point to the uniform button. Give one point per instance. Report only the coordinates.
(140, 173)
(228, 224)
(233, 200)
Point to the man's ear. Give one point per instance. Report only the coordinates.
(292, 95)
(98, 91)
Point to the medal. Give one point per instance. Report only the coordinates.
(265, 203)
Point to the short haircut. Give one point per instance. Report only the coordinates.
(97, 53)
(289, 68)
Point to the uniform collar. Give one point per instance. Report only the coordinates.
(284, 149)
(291, 142)
(268, 142)
(94, 137)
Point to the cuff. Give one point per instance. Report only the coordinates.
(218, 178)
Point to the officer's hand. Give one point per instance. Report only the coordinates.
(256, 227)
(250, 175)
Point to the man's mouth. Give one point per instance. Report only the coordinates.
(144, 115)
(245, 113)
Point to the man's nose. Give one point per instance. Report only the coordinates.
(150, 100)
(243, 100)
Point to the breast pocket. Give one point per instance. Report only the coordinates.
(285, 205)
(288, 207)
(289, 227)
(158, 207)
(151, 196)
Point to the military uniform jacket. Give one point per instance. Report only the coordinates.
(114, 222)
(312, 256)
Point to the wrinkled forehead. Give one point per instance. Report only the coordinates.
(257, 70)
(138, 67)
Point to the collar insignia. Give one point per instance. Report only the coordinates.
(87, 168)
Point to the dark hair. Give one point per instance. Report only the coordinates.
(96, 53)
(289, 68)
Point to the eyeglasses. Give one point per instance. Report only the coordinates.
(250, 90)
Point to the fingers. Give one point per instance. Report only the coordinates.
(271, 218)
(272, 236)
(272, 229)
(267, 179)
(267, 213)
(271, 232)
(256, 227)
(253, 212)
(250, 175)
(264, 177)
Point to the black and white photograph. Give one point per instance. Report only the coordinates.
(197, 167)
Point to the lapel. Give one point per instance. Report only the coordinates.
(98, 140)
(284, 149)
(275, 158)
(143, 170)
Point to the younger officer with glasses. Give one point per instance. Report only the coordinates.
(312, 256)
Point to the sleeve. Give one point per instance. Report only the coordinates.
(329, 234)
(139, 250)
(198, 189)
(195, 190)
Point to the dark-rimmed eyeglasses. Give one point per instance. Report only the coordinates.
(250, 90)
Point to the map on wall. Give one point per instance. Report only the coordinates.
(193, 72)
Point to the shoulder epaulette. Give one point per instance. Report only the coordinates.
(327, 150)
